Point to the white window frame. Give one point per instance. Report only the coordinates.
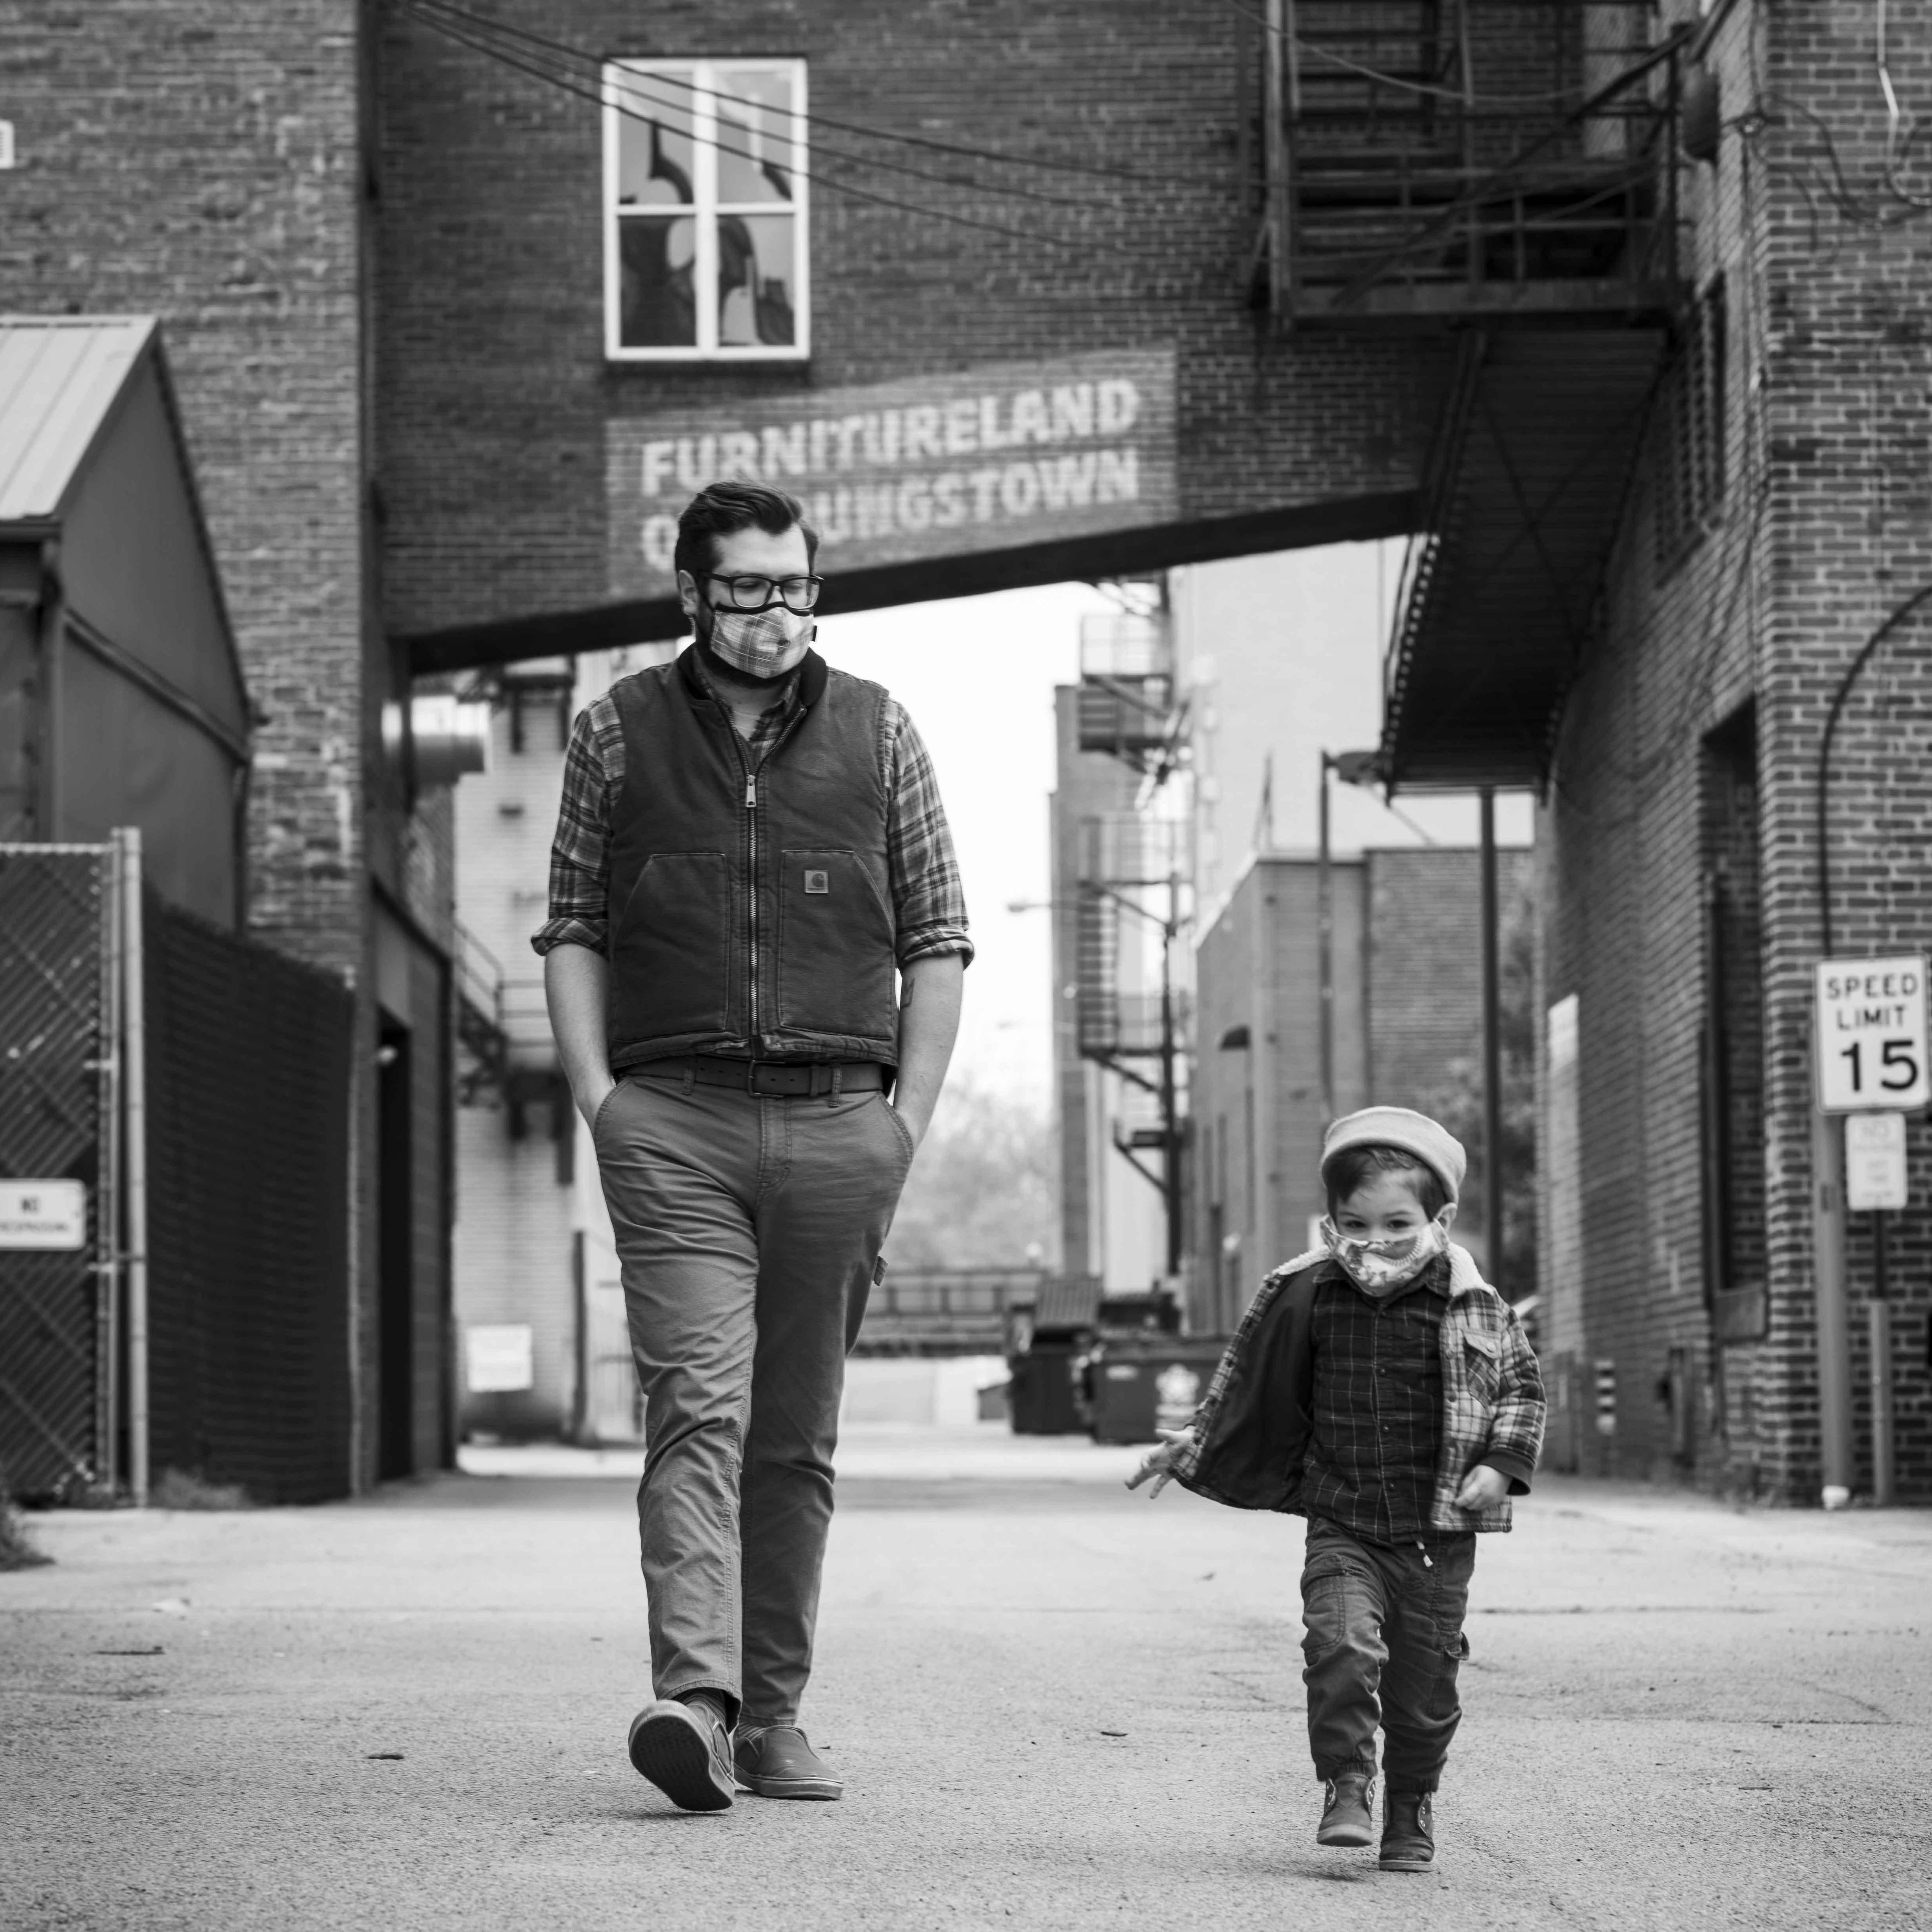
(707, 77)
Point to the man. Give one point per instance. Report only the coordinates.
(749, 844)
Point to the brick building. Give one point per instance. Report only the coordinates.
(209, 166)
(1407, 1007)
(1662, 651)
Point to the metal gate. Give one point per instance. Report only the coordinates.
(59, 1107)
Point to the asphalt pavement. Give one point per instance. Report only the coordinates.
(1055, 1704)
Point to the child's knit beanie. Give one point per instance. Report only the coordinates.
(1431, 1143)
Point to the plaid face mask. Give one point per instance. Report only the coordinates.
(760, 643)
(1378, 1266)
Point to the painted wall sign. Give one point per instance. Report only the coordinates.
(984, 459)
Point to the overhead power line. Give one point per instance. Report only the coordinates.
(1098, 170)
(596, 97)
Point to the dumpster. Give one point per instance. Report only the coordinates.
(1137, 1383)
(1045, 1337)
(1041, 1392)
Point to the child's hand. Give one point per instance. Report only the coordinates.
(1159, 1462)
(1483, 1488)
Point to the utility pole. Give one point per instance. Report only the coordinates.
(1325, 949)
(1170, 1105)
(1352, 768)
(1835, 1341)
(1492, 1047)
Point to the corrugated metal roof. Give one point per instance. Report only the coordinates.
(59, 377)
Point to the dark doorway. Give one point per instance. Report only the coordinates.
(395, 1193)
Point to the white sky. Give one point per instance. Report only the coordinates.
(977, 675)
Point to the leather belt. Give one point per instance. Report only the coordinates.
(771, 1079)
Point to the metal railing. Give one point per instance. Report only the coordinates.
(1435, 187)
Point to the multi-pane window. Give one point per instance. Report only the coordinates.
(1690, 440)
(704, 224)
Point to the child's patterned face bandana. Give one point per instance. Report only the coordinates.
(763, 644)
(1379, 1266)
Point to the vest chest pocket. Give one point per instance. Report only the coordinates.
(836, 945)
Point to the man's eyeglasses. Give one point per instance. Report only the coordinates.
(799, 594)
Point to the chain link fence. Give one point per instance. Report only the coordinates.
(248, 1057)
(57, 1109)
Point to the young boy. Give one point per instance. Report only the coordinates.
(1380, 1387)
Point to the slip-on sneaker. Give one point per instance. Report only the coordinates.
(685, 1752)
(1348, 1817)
(778, 1762)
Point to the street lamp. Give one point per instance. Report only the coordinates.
(1353, 768)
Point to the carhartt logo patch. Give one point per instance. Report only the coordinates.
(818, 882)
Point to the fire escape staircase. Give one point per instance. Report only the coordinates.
(1426, 161)
(1504, 178)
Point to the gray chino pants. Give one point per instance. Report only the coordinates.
(748, 1230)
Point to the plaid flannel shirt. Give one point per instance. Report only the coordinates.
(1493, 1404)
(928, 903)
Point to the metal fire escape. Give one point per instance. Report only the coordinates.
(1504, 177)
(1131, 882)
(1433, 160)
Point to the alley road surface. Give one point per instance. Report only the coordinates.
(1057, 1705)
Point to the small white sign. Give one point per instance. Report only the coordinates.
(1874, 1162)
(44, 1214)
(1871, 1034)
(500, 1358)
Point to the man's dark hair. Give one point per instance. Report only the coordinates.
(1353, 1166)
(723, 509)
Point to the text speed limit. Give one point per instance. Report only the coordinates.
(1871, 1031)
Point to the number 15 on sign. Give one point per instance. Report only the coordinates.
(1871, 1031)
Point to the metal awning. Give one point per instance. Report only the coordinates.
(1523, 495)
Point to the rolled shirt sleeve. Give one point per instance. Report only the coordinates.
(580, 855)
(928, 902)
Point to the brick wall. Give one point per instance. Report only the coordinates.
(203, 164)
(494, 390)
(198, 162)
(1407, 968)
(1425, 964)
(1825, 526)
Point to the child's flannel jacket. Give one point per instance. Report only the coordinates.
(1251, 1434)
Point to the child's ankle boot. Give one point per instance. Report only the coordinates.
(1408, 1832)
(1349, 1815)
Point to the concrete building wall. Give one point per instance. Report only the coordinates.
(1258, 1102)
(1740, 630)
(1407, 1006)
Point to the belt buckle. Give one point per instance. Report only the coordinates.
(779, 1082)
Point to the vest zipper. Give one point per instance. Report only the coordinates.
(751, 806)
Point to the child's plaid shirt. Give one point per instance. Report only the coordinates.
(1491, 1397)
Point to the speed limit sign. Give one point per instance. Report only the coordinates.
(1871, 1031)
